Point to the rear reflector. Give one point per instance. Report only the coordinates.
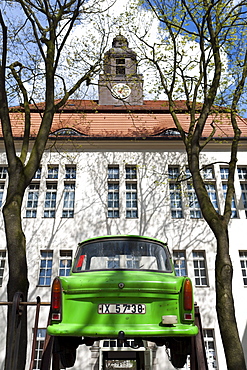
(56, 316)
(188, 316)
(188, 299)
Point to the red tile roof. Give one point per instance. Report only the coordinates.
(89, 119)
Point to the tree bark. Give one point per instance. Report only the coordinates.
(18, 281)
(225, 304)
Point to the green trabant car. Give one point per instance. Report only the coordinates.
(122, 287)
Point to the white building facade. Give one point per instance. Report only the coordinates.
(117, 184)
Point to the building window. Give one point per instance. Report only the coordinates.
(131, 192)
(173, 173)
(52, 172)
(131, 200)
(45, 268)
(113, 191)
(130, 172)
(2, 265)
(244, 196)
(37, 174)
(113, 172)
(120, 66)
(224, 173)
(208, 173)
(112, 343)
(243, 264)
(233, 205)
(175, 192)
(179, 260)
(65, 262)
(200, 270)
(69, 200)
(212, 195)
(32, 200)
(113, 200)
(70, 172)
(40, 339)
(3, 172)
(176, 200)
(242, 175)
(50, 200)
(1, 193)
(195, 211)
(209, 343)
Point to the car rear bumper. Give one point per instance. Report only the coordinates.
(130, 331)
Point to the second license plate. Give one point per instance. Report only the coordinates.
(120, 308)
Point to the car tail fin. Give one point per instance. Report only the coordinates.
(188, 295)
(56, 300)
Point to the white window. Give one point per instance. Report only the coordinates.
(244, 196)
(50, 200)
(70, 172)
(130, 172)
(195, 210)
(233, 205)
(2, 265)
(131, 200)
(208, 173)
(179, 260)
(224, 173)
(1, 193)
(65, 262)
(113, 191)
(242, 175)
(131, 192)
(209, 343)
(211, 189)
(113, 200)
(176, 200)
(200, 270)
(40, 339)
(52, 172)
(3, 172)
(68, 200)
(32, 200)
(45, 272)
(37, 174)
(173, 172)
(113, 172)
(243, 263)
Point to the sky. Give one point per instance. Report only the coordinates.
(88, 34)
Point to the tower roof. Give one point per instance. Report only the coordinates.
(120, 48)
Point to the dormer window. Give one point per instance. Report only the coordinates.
(120, 66)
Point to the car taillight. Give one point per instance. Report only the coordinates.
(188, 297)
(56, 296)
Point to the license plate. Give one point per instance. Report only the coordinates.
(120, 308)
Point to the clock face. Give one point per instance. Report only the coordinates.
(121, 91)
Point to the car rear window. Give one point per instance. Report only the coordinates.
(122, 254)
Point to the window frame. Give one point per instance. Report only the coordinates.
(47, 256)
(243, 265)
(201, 258)
(180, 255)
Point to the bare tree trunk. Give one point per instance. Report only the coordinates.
(225, 305)
(16, 243)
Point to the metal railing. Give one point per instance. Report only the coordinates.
(198, 360)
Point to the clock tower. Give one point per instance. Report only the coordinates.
(120, 83)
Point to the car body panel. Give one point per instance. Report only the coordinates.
(160, 292)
